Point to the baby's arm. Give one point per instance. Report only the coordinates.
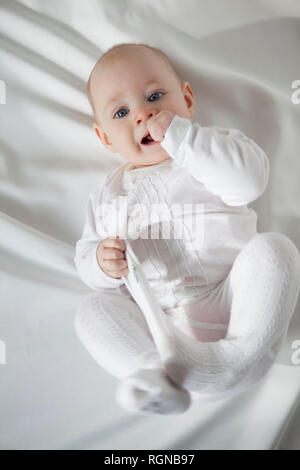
(227, 162)
(85, 260)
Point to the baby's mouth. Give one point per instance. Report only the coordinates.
(147, 140)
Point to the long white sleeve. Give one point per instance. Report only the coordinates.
(85, 259)
(227, 162)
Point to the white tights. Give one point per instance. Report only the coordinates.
(264, 281)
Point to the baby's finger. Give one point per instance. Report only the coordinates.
(115, 265)
(156, 132)
(121, 244)
(112, 253)
(124, 271)
(120, 273)
(115, 243)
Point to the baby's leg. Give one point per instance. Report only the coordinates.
(264, 282)
(113, 329)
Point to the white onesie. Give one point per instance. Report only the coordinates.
(223, 284)
(212, 176)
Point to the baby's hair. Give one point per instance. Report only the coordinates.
(117, 48)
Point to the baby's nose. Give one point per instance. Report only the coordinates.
(144, 115)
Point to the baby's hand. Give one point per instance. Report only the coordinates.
(157, 125)
(111, 257)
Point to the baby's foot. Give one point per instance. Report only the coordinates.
(150, 391)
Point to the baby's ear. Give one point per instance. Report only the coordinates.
(103, 137)
(97, 130)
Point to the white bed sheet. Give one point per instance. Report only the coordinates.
(241, 59)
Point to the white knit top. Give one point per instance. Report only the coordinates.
(199, 195)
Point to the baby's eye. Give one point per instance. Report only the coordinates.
(123, 109)
(156, 93)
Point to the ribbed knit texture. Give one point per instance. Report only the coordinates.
(265, 283)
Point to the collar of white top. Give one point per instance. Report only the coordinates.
(144, 170)
(131, 174)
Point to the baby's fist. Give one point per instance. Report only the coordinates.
(157, 125)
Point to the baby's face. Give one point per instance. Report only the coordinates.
(129, 89)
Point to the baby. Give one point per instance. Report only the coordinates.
(228, 299)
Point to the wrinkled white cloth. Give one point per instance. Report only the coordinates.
(241, 66)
